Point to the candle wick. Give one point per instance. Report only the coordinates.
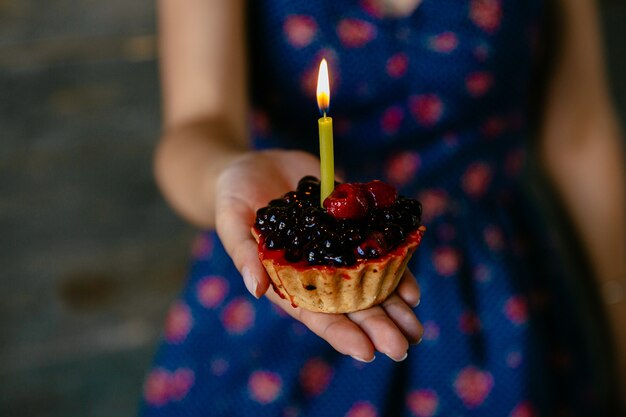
(324, 111)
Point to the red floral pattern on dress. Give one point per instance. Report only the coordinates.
(178, 322)
(264, 386)
(524, 409)
(473, 386)
(478, 83)
(156, 387)
(486, 14)
(391, 120)
(476, 179)
(444, 43)
(469, 323)
(300, 30)
(494, 237)
(513, 359)
(180, 382)
(427, 109)
(238, 316)
(434, 202)
(355, 33)
(402, 167)
(362, 409)
(373, 7)
(315, 376)
(397, 65)
(202, 246)
(423, 402)
(516, 309)
(162, 386)
(446, 261)
(211, 291)
(431, 331)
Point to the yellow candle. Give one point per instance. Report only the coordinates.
(327, 165)
(325, 124)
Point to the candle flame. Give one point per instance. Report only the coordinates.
(323, 87)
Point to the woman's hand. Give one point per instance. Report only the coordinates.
(248, 184)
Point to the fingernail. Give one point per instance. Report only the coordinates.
(249, 281)
(417, 303)
(418, 342)
(401, 359)
(363, 360)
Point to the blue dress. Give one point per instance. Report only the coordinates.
(435, 103)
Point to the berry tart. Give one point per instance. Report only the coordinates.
(344, 257)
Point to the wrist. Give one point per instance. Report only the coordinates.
(188, 160)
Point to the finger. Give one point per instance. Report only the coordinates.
(404, 317)
(233, 221)
(340, 332)
(382, 331)
(408, 289)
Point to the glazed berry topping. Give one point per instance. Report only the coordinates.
(309, 184)
(381, 195)
(372, 247)
(359, 221)
(347, 201)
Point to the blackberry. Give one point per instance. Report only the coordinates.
(410, 205)
(278, 202)
(267, 218)
(351, 235)
(314, 254)
(299, 240)
(274, 241)
(368, 252)
(372, 247)
(292, 197)
(310, 185)
(393, 234)
(386, 216)
(282, 225)
(408, 220)
(343, 259)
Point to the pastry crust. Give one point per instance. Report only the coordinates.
(342, 289)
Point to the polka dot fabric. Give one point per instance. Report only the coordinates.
(434, 103)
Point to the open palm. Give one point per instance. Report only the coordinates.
(248, 184)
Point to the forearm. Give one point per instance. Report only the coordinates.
(587, 170)
(202, 67)
(187, 163)
(588, 173)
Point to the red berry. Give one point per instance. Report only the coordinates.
(381, 195)
(372, 247)
(347, 201)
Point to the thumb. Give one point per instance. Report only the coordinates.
(234, 218)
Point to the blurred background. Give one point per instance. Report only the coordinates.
(90, 255)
